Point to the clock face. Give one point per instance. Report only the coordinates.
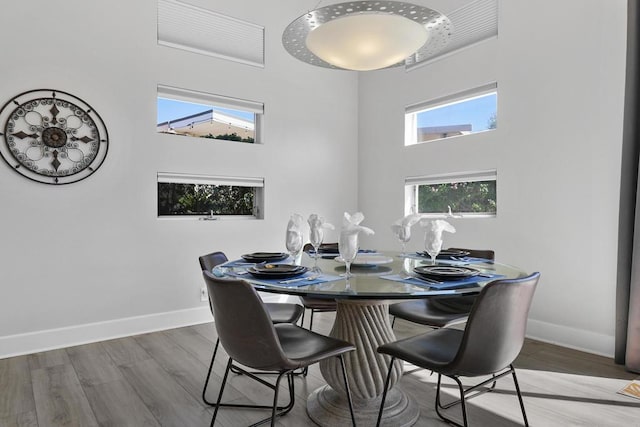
(52, 136)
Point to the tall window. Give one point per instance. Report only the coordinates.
(199, 114)
(464, 113)
(469, 194)
(209, 197)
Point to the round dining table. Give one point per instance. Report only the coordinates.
(362, 318)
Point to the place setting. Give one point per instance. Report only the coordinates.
(284, 269)
(443, 277)
(268, 271)
(447, 268)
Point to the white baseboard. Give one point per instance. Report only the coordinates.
(51, 339)
(565, 336)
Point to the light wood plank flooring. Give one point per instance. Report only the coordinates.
(156, 380)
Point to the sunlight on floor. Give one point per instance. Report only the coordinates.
(581, 400)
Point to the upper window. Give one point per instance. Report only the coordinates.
(464, 113)
(209, 197)
(199, 114)
(469, 194)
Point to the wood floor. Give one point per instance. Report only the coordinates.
(156, 380)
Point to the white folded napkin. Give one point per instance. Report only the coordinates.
(402, 227)
(433, 234)
(317, 225)
(348, 244)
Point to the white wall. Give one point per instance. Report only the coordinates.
(90, 260)
(560, 73)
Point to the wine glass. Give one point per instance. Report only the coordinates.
(403, 234)
(348, 248)
(294, 244)
(432, 244)
(316, 236)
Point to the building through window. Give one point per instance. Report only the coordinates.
(461, 114)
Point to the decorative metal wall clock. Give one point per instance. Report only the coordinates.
(52, 137)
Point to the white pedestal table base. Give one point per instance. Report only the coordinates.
(365, 323)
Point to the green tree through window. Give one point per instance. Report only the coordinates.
(462, 197)
(204, 199)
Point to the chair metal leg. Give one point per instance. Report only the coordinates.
(393, 322)
(463, 404)
(224, 382)
(464, 392)
(515, 381)
(384, 393)
(461, 401)
(206, 382)
(275, 400)
(476, 388)
(283, 409)
(346, 386)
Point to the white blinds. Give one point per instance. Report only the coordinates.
(472, 23)
(203, 31)
(179, 178)
(205, 98)
(476, 91)
(488, 175)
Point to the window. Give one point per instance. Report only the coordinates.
(470, 194)
(464, 113)
(209, 197)
(194, 29)
(198, 114)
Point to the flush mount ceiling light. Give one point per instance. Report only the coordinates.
(367, 35)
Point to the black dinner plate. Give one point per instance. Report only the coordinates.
(445, 272)
(447, 254)
(328, 248)
(264, 256)
(276, 271)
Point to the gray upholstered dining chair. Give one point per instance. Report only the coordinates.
(279, 312)
(251, 339)
(490, 342)
(439, 312)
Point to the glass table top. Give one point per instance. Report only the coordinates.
(369, 282)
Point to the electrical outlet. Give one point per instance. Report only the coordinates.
(203, 294)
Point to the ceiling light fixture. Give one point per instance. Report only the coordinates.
(367, 35)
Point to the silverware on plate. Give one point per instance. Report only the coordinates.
(299, 279)
(425, 279)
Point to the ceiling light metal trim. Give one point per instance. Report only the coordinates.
(438, 26)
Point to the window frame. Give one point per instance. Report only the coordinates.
(212, 100)
(195, 179)
(411, 185)
(412, 111)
